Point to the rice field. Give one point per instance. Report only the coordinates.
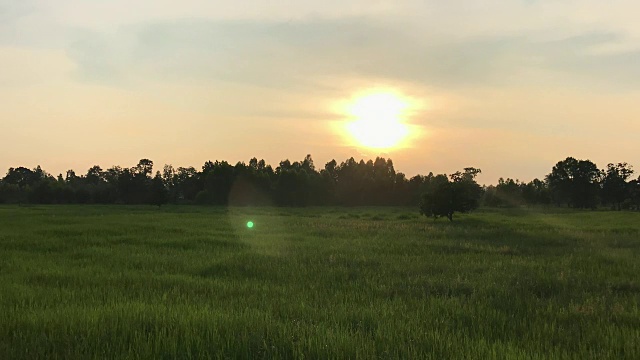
(103, 282)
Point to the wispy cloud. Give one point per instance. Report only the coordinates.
(289, 54)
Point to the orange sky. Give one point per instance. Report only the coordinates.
(510, 87)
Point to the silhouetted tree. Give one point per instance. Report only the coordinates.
(24, 185)
(94, 175)
(126, 187)
(329, 178)
(575, 183)
(417, 186)
(187, 184)
(218, 180)
(634, 193)
(535, 192)
(144, 168)
(347, 189)
(252, 183)
(10, 193)
(307, 164)
(615, 189)
(21, 176)
(43, 192)
(509, 192)
(168, 179)
(461, 193)
(401, 194)
(159, 193)
(112, 177)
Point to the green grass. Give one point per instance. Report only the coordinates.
(81, 282)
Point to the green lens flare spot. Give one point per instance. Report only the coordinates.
(249, 224)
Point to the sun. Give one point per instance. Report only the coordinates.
(377, 120)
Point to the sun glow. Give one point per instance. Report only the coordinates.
(377, 120)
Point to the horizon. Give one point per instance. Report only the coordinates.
(157, 167)
(508, 87)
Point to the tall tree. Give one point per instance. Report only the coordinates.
(634, 193)
(575, 183)
(615, 189)
(20, 176)
(94, 175)
(219, 178)
(144, 168)
(188, 183)
(159, 194)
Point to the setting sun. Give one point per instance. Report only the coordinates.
(377, 120)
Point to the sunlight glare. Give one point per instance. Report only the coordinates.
(378, 120)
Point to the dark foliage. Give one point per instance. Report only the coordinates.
(615, 189)
(572, 182)
(447, 195)
(513, 193)
(575, 183)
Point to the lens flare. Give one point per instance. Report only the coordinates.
(250, 224)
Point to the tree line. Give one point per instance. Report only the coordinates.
(571, 182)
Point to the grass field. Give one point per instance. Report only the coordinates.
(80, 282)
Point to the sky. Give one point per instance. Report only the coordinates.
(507, 86)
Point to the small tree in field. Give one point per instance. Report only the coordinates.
(458, 193)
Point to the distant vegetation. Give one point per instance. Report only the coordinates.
(571, 183)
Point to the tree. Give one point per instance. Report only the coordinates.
(251, 185)
(20, 176)
(307, 164)
(535, 192)
(144, 168)
(291, 188)
(10, 193)
(159, 193)
(634, 190)
(329, 179)
(187, 184)
(615, 189)
(572, 182)
(509, 193)
(94, 175)
(447, 195)
(401, 194)
(575, 183)
(218, 180)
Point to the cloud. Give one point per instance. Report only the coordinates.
(289, 44)
(295, 54)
